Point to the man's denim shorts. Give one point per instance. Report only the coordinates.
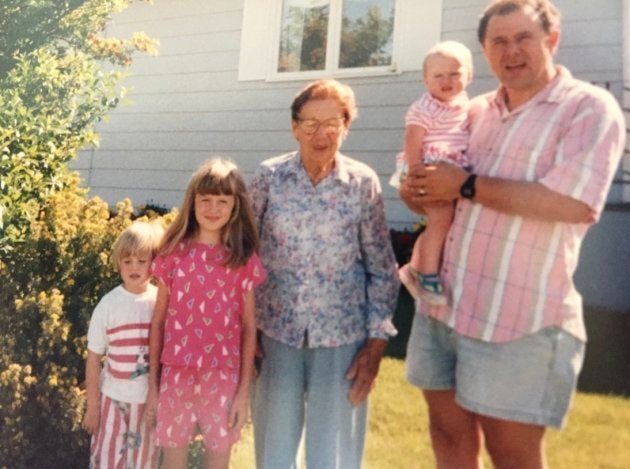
(529, 380)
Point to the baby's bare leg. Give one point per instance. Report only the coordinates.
(427, 250)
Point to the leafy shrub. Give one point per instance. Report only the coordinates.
(53, 90)
(54, 242)
(49, 286)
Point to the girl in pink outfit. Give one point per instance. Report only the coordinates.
(436, 131)
(203, 332)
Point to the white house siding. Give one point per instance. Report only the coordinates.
(626, 94)
(187, 104)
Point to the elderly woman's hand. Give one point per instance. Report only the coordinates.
(363, 370)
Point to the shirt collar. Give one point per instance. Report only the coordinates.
(339, 172)
(553, 92)
(458, 101)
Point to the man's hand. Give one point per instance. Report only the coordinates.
(441, 183)
(434, 186)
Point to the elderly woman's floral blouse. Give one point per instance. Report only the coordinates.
(331, 272)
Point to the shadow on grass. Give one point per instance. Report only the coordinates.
(607, 363)
(606, 367)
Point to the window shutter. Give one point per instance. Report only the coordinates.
(255, 40)
(420, 24)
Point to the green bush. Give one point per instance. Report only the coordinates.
(54, 242)
(49, 287)
(53, 90)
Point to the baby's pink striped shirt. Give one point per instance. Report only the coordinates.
(446, 124)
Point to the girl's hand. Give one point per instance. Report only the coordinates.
(150, 409)
(91, 419)
(239, 411)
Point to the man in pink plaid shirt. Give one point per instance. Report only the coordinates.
(500, 363)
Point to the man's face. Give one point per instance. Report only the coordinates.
(520, 53)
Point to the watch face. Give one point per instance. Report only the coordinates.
(468, 188)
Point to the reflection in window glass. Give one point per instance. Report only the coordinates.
(366, 33)
(303, 35)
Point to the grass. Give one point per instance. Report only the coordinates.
(597, 435)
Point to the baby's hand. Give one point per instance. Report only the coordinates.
(91, 419)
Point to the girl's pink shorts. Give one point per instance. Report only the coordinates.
(192, 398)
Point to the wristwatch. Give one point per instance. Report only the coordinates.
(467, 191)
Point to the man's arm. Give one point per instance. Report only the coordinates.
(522, 198)
(531, 200)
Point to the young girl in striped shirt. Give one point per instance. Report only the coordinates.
(119, 329)
(436, 131)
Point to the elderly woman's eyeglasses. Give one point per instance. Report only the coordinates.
(310, 126)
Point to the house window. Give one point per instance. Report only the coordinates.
(307, 39)
(335, 35)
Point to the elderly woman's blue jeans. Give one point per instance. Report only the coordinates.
(304, 391)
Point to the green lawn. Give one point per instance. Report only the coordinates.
(597, 435)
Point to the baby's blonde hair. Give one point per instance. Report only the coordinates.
(453, 49)
(139, 238)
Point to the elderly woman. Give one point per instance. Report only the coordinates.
(325, 310)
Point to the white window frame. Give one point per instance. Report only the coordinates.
(333, 45)
(417, 26)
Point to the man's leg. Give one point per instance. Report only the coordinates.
(518, 388)
(514, 444)
(431, 363)
(455, 433)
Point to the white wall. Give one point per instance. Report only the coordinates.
(187, 104)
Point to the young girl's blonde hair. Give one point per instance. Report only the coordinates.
(217, 177)
(139, 238)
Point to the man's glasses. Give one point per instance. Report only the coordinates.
(310, 126)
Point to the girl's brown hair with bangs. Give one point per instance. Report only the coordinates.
(217, 177)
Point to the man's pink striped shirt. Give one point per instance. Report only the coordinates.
(507, 275)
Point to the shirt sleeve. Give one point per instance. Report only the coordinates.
(97, 331)
(382, 283)
(418, 114)
(259, 194)
(254, 273)
(588, 154)
(162, 269)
